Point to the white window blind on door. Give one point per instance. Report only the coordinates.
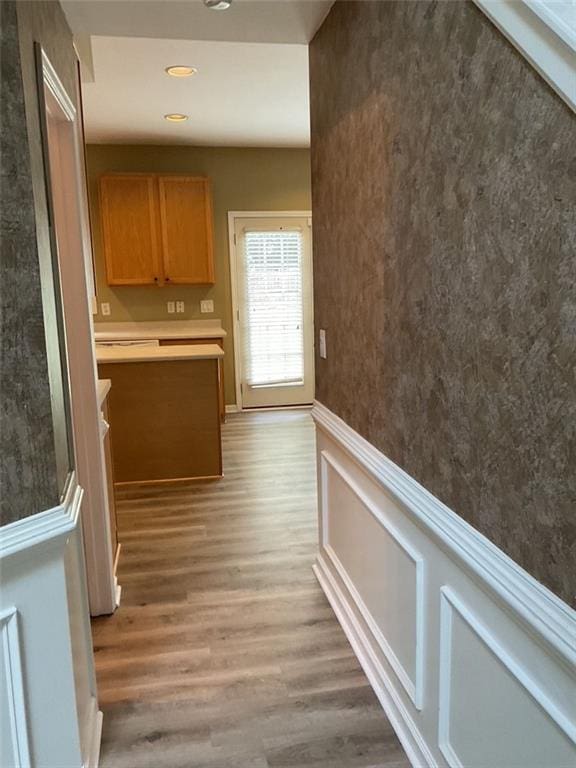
(273, 311)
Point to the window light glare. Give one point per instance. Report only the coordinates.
(180, 70)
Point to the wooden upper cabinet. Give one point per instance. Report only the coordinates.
(157, 229)
(186, 224)
(129, 210)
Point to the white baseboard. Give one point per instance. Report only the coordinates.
(232, 408)
(449, 630)
(117, 591)
(277, 408)
(93, 757)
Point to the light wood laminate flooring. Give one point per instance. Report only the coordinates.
(224, 652)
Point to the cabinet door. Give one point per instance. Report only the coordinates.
(186, 220)
(220, 342)
(129, 211)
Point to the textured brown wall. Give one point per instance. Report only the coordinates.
(32, 464)
(443, 182)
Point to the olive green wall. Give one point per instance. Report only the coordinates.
(242, 180)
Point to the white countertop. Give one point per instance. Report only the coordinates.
(102, 389)
(156, 354)
(163, 329)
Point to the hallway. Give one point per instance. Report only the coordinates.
(224, 651)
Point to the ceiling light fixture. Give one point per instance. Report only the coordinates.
(176, 117)
(218, 5)
(180, 70)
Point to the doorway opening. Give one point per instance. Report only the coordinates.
(271, 276)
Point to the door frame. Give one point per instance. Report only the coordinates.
(232, 216)
(76, 288)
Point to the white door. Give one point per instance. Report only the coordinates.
(274, 327)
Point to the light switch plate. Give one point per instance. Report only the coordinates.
(105, 307)
(179, 306)
(170, 307)
(207, 305)
(323, 343)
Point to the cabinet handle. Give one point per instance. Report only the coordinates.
(167, 279)
(155, 279)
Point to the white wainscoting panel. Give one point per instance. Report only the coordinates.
(49, 714)
(14, 750)
(472, 659)
(380, 568)
(484, 690)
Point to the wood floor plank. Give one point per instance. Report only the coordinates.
(225, 651)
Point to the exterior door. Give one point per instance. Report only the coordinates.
(275, 312)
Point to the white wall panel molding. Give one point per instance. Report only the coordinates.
(413, 684)
(399, 715)
(527, 739)
(14, 749)
(547, 614)
(455, 638)
(48, 703)
(544, 31)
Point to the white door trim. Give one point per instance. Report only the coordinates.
(232, 216)
(78, 316)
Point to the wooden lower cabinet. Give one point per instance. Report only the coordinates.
(220, 342)
(165, 417)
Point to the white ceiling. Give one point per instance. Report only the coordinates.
(248, 21)
(252, 83)
(244, 94)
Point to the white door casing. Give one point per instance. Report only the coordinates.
(68, 199)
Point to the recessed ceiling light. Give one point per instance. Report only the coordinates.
(218, 5)
(176, 117)
(179, 70)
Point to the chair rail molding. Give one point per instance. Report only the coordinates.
(451, 605)
(544, 31)
(419, 592)
(48, 527)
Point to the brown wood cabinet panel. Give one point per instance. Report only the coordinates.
(130, 231)
(220, 342)
(187, 229)
(165, 420)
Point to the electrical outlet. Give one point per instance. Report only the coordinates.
(207, 305)
(170, 307)
(105, 307)
(179, 306)
(323, 343)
